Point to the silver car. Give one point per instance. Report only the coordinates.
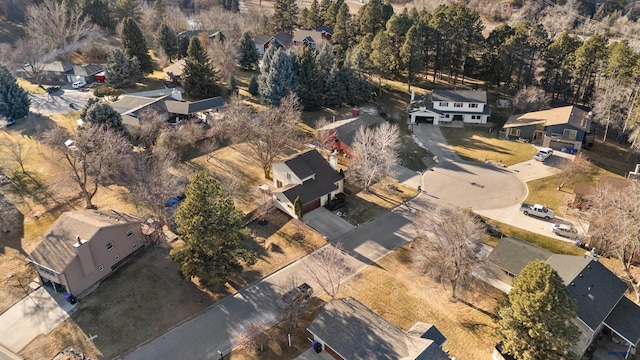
(564, 230)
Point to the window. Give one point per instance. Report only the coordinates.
(110, 245)
(129, 233)
(473, 117)
(458, 105)
(117, 257)
(473, 106)
(134, 245)
(101, 267)
(288, 176)
(444, 104)
(569, 134)
(447, 116)
(514, 132)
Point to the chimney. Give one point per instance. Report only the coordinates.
(590, 115)
(333, 161)
(334, 118)
(413, 95)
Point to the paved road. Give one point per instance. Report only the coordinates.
(59, 103)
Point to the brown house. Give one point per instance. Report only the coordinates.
(83, 247)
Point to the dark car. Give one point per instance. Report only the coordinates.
(10, 122)
(175, 200)
(53, 89)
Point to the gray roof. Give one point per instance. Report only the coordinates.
(355, 332)
(460, 95)
(56, 250)
(192, 33)
(283, 38)
(311, 36)
(306, 164)
(346, 129)
(427, 331)
(262, 39)
(58, 66)
(513, 254)
(87, 70)
(326, 29)
(186, 108)
(625, 320)
(595, 288)
(132, 105)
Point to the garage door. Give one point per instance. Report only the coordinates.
(310, 206)
(556, 145)
(424, 119)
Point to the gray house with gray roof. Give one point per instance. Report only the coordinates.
(446, 106)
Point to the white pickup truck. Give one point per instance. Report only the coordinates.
(537, 210)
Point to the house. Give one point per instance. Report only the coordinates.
(131, 107)
(210, 34)
(599, 294)
(326, 32)
(306, 175)
(583, 191)
(446, 106)
(348, 329)
(563, 127)
(174, 71)
(263, 42)
(83, 247)
(59, 72)
(311, 38)
(201, 109)
(340, 134)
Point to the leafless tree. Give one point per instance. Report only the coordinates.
(449, 248)
(256, 337)
(14, 151)
(29, 53)
(559, 18)
(266, 205)
(57, 24)
(531, 99)
(94, 157)
(374, 153)
(323, 137)
(609, 105)
(268, 133)
(296, 309)
(151, 126)
(328, 268)
(614, 227)
(174, 140)
(570, 169)
(223, 56)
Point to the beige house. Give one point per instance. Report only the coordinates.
(83, 247)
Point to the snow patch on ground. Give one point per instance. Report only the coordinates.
(418, 142)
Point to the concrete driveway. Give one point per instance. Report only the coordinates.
(327, 223)
(59, 102)
(533, 170)
(431, 137)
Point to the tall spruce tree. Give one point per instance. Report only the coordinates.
(253, 88)
(285, 16)
(14, 101)
(314, 18)
(199, 76)
(247, 53)
(211, 227)
(535, 318)
(167, 41)
(311, 83)
(342, 32)
(121, 71)
(101, 113)
(265, 65)
(134, 44)
(280, 80)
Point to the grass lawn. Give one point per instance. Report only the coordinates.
(365, 206)
(30, 87)
(477, 144)
(140, 301)
(554, 245)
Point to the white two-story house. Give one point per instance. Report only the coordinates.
(445, 106)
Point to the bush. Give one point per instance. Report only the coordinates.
(106, 90)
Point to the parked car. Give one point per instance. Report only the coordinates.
(52, 89)
(9, 122)
(543, 154)
(537, 210)
(295, 295)
(175, 200)
(565, 230)
(79, 84)
(335, 204)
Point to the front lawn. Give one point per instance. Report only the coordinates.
(478, 144)
(554, 245)
(364, 206)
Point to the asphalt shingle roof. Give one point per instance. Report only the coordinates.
(460, 96)
(571, 115)
(186, 108)
(513, 254)
(625, 319)
(346, 129)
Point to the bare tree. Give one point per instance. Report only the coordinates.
(449, 248)
(29, 53)
(328, 268)
(614, 227)
(570, 169)
(223, 56)
(265, 206)
(608, 105)
(323, 137)
(151, 126)
(531, 99)
(15, 151)
(256, 337)
(294, 312)
(95, 157)
(374, 153)
(268, 133)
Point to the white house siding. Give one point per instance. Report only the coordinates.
(280, 171)
(284, 204)
(452, 109)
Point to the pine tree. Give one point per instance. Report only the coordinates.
(285, 16)
(101, 113)
(253, 88)
(412, 53)
(265, 65)
(134, 44)
(14, 101)
(314, 19)
(247, 53)
(336, 90)
(535, 318)
(310, 80)
(128, 9)
(326, 60)
(302, 21)
(342, 32)
(100, 13)
(211, 227)
(297, 207)
(167, 41)
(121, 71)
(183, 46)
(233, 85)
(280, 80)
(199, 76)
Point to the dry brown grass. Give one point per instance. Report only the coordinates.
(364, 206)
(398, 293)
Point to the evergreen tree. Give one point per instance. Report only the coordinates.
(311, 83)
(167, 41)
(397, 28)
(326, 60)
(247, 53)
(280, 80)
(302, 21)
(14, 101)
(183, 46)
(412, 53)
(100, 13)
(342, 32)
(91, 101)
(233, 85)
(297, 207)
(285, 16)
(314, 17)
(373, 17)
(101, 113)
(535, 318)
(128, 9)
(134, 44)
(253, 86)
(265, 65)
(211, 227)
(121, 71)
(322, 10)
(199, 76)
(336, 90)
(330, 14)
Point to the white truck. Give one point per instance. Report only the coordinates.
(537, 210)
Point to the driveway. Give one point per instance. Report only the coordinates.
(533, 170)
(37, 313)
(59, 102)
(327, 223)
(431, 137)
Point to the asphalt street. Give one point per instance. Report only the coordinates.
(59, 102)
